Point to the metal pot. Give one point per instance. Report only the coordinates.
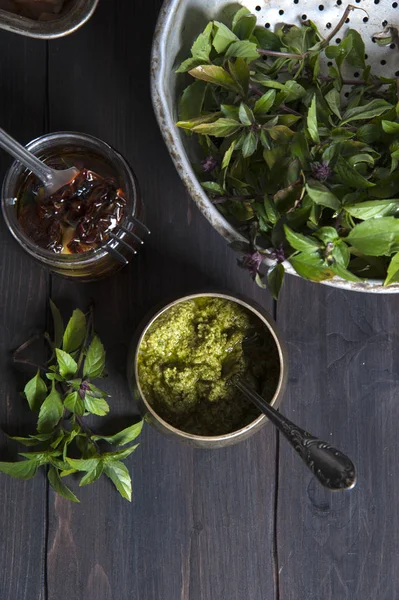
(217, 441)
(74, 17)
(180, 22)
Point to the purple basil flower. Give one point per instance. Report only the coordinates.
(321, 171)
(251, 262)
(278, 254)
(209, 164)
(84, 387)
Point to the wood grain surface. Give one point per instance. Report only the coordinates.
(241, 523)
(23, 290)
(344, 386)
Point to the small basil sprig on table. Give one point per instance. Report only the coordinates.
(305, 170)
(63, 399)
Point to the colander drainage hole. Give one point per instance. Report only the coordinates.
(257, 8)
(321, 6)
(267, 25)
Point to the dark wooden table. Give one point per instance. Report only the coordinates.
(242, 523)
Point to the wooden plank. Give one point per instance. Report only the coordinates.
(201, 524)
(344, 383)
(23, 291)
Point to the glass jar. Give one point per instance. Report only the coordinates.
(120, 247)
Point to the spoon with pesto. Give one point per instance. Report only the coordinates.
(332, 468)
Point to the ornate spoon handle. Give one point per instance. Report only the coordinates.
(332, 468)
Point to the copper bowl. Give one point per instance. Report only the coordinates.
(217, 441)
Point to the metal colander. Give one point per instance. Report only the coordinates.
(180, 21)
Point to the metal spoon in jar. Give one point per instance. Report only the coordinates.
(52, 179)
(332, 468)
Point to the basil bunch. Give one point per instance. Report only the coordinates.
(63, 401)
(304, 169)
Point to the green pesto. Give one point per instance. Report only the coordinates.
(189, 355)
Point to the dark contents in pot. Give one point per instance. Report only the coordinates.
(37, 10)
(188, 360)
(78, 217)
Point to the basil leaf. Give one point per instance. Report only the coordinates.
(356, 55)
(387, 187)
(372, 109)
(376, 237)
(250, 144)
(275, 279)
(327, 234)
(243, 49)
(74, 403)
(393, 270)
(59, 486)
(26, 441)
(312, 121)
(25, 469)
(390, 127)
(369, 133)
(75, 332)
(267, 39)
(35, 392)
(334, 101)
(245, 114)
(241, 12)
(66, 364)
(50, 411)
(361, 158)
(83, 464)
(96, 406)
(342, 272)
(94, 364)
(202, 46)
(244, 25)
(223, 37)
(350, 176)
(189, 64)
(228, 154)
(239, 70)
(311, 266)
(216, 75)
(264, 104)
(120, 477)
(220, 128)
(320, 194)
(58, 324)
(192, 101)
(213, 188)
(372, 209)
(301, 242)
(93, 475)
(123, 437)
(119, 454)
(193, 122)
